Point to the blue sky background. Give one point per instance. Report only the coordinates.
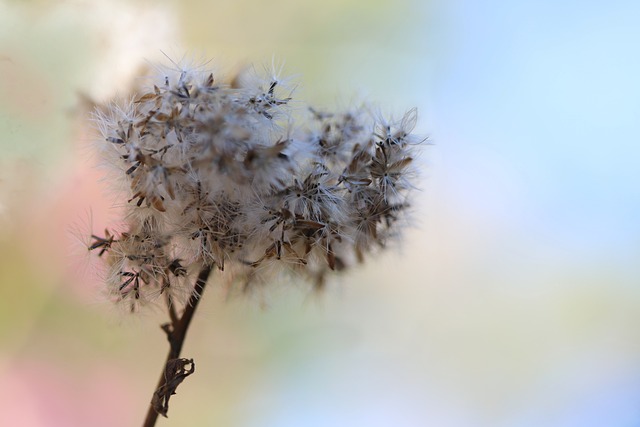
(549, 93)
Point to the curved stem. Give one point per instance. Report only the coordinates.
(176, 333)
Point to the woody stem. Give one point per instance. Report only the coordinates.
(176, 334)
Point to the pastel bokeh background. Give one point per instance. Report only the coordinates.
(514, 301)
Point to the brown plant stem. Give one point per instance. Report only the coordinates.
(176, 333)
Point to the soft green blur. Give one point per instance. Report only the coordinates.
(511, 300)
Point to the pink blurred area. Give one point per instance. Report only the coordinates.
(52, 220)
(39, 392)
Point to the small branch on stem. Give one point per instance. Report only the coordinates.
(171, 308)
(175, 369)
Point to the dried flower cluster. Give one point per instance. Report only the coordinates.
(231, 175)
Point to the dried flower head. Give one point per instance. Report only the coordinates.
(227, 174)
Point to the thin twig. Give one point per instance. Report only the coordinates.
(176, 333)
(171, 308)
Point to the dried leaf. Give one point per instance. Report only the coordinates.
(175, 372)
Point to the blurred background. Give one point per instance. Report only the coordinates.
(514, 299)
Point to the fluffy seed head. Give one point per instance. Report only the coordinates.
(226, 173)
